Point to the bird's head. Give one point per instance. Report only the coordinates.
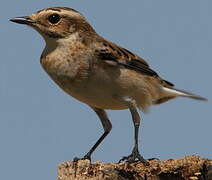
(56, 22)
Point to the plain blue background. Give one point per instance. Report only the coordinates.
(41, 126)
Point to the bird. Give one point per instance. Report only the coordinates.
(98, 72)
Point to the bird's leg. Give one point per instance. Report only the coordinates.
(135, 155)
(107, 128)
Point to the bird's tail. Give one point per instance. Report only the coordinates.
(173, 92)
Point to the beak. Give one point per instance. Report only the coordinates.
(23, 20)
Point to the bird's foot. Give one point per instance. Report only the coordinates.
(134, 157)
(151, 159)
(87, 156)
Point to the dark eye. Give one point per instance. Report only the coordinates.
(54, 18)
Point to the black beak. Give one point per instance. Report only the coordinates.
(23, 20)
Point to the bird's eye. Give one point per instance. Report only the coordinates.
(54, 18)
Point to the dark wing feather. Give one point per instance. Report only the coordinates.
(134, 64)
(123, 57)
(139, 66)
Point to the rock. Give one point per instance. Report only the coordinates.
(187, 168)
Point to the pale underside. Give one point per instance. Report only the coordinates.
(108, 90)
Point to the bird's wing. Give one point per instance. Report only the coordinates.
(112, 53)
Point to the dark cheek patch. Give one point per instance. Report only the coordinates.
(53, 34)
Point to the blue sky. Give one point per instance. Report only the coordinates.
(41, 126)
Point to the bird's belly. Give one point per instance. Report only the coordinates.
(99, 99)
(92, 93)
(107, 93)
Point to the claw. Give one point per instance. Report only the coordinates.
(151, 159)
(87, 157)
(134, 157)
(76, 159)
(122, 159)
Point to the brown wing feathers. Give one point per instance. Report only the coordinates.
(125, 58)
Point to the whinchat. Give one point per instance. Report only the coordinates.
(98, 72)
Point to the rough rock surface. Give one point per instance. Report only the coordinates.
(187, 168)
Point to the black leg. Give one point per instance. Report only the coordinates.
(135, 155)
(88, 155)
(107, 128)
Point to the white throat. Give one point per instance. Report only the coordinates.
(52, 44)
